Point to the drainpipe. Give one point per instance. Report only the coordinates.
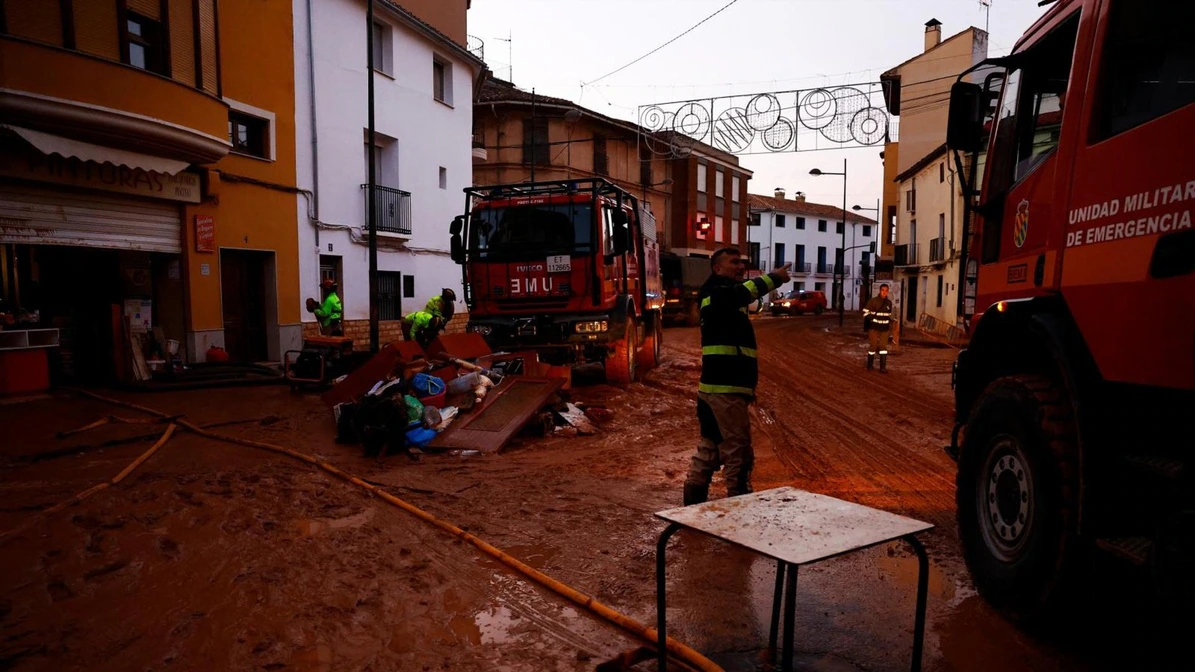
(314, 135)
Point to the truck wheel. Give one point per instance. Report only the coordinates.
(1018, 495)
(620, 363)
(649, 352)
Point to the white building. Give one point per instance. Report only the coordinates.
(424, 83)
(809, 235)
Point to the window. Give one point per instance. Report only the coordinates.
(535, 141)
(819, 286)
(600, 163)
(942, 225)
(645, 177)
(734, 189)
(892, 225)
(1148, 66)
(755, 218)
(779, 255)
(911, 200)
(443, 177)
(734, 232)
(941, 172)
(385, 160)
(389, 300)
(753, 250)
(442, 80)
(779, 221)
(719, 232)
(382, 49)
(719, 184)
(249, 134)
(801, 223)
(838, 227)
(701, 176)
(408, 286)
(329, 269)
(939, 291)
(867, 230)
(800, 259)
(821, 259)
(799, 286)
(144, 44)
(821, 225)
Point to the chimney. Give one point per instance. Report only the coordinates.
(933, 33)
(799, 197)
(780, 193)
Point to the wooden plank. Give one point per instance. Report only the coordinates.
(507, 409)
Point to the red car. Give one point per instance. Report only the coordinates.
(798, 302)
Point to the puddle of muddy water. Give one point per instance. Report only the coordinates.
(312, 527)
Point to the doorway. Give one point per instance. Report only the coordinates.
(911, 304)
(243, 296)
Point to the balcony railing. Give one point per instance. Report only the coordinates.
(937, 249)
(825, 269)
(802, 267)
(905, 255)
(393, 207)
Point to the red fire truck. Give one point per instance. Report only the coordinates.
(1072, 396)
(568, 269)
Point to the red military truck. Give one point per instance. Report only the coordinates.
(569, 269)
(1072, 397)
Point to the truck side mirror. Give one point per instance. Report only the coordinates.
(458, 223)
(620, 217)
(457, 250)
(964, 126)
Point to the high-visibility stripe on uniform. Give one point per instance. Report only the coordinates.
(724, 389)
(728, 350)
(767, 280)
(705, 302)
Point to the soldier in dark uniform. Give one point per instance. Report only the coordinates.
(877, 320)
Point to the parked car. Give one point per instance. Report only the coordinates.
(800, 302)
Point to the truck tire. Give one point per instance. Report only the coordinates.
(620, 362)
(653, 337)
(1017, 493)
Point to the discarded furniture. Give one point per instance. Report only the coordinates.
(322, 359)
(379, 367)
(505, 410)
(795, 528)
(24, 364)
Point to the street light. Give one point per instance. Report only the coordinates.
(842, 262)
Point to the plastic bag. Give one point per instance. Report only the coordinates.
(420, 436)
(414, 409)
(431, 416)
(425, 385)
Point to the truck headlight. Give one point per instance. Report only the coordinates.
(594, 327)
(483, 329)
(786, 304)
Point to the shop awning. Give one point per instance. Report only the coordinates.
(47, 143)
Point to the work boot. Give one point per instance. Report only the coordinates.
(871, 360)
(696, 494)
(883, 363)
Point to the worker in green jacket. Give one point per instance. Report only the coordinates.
(329, 313)
(422, 327)
(442, 305)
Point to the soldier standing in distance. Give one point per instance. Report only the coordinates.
(877, 320)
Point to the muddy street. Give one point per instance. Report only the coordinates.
(219, 556)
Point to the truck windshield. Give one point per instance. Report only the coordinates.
(531, 231)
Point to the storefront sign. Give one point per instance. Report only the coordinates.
(205, 233)
(54, 169)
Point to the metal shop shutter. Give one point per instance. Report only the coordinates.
(50, 217)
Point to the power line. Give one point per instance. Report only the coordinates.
(691, 29)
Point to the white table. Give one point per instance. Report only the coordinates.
(795, 528)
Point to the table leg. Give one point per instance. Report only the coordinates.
(774, 630)
(790, 617)
(922, 590)
(661, 597)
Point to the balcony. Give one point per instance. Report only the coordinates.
(825, 269)
(937, 249)
(906, 255)
(393, 207)
(109, 103)
(480, 154)
(801, 268)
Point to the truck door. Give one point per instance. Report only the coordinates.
(1130, 246)
(1024, 167)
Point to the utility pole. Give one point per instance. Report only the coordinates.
(371, 192)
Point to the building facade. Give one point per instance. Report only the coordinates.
(147, 177)
(424, 84)
(809, 235)
(521, 136)
(928, 198)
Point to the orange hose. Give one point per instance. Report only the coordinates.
(681, 651)
(95, 488)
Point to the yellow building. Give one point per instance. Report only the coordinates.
(147, 170)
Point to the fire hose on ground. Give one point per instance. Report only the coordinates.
(680, 651)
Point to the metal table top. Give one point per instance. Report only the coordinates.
(794, 526)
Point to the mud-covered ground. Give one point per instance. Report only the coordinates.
(214, 556)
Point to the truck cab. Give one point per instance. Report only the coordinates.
(568, 269)
(1079, 299)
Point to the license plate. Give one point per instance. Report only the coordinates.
(560, 264)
